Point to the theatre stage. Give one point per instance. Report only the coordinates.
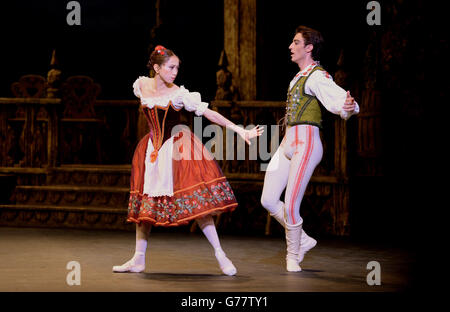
(34, 259)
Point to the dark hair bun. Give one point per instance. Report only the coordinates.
(159, 56)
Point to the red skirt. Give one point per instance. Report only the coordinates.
(199, 186)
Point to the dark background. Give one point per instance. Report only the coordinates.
(112, 47)
(112, 43)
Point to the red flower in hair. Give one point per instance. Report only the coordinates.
(160, 49)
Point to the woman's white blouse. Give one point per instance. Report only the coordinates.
(158, 176)
(191, 101)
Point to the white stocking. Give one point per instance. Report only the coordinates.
(137, 262)
(208, 227)
(142, 234)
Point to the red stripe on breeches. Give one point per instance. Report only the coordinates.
(301, 170)
(305, 158)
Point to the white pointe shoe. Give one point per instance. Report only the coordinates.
(130, 266)
(306, 244)
(225, 264)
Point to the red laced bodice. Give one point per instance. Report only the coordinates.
(161, 120)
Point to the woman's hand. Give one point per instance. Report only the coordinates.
(349, 104)
(247, 135)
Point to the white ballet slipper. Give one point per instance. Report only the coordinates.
(131, 265)
(225, 264)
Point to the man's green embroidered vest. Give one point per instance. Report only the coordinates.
(303, 108)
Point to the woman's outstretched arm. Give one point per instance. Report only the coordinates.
(247, 135)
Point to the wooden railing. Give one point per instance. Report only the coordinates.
(34, 133)
(29, 132)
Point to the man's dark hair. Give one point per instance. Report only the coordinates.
(314, 37)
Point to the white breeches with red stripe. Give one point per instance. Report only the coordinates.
(291, 167)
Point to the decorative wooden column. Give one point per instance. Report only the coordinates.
(240, 45)
(53, 85)
(341, 211)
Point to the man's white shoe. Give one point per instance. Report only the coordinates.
(292, 265)
(306, 244)
(293, 237)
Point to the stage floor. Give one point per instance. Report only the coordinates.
(34, 259)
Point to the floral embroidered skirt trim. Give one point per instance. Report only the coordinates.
(200, 187)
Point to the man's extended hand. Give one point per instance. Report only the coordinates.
(349, 104)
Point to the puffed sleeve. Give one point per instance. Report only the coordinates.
(192, 102)
(137, 86)
(321, 85)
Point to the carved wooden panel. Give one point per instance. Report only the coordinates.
(30, 86)
(79, 94)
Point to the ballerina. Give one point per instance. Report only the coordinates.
(174, 178)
